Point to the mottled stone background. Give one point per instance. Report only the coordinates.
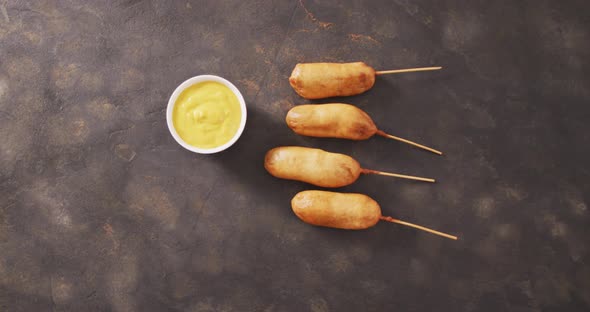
(100, 210)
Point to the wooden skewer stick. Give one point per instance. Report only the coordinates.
(383, 134)
(407, 70)
(396, 175)
(390, 219)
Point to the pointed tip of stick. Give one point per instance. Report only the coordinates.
(419, 227)
(406, 70)
(396, 175)
(393, 137)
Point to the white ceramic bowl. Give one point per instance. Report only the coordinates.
(193, 81)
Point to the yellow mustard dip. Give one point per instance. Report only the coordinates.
(207, 115)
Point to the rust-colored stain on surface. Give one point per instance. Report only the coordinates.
(312, 17)
(359, 37)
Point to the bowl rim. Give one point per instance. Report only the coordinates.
(190, 82)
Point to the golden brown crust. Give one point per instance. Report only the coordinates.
(312, 165)
(323, 80)
(334, 120)
(337, 210)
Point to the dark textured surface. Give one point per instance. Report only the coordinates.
(100, 210)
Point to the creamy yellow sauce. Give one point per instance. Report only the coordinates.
(207, 115)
